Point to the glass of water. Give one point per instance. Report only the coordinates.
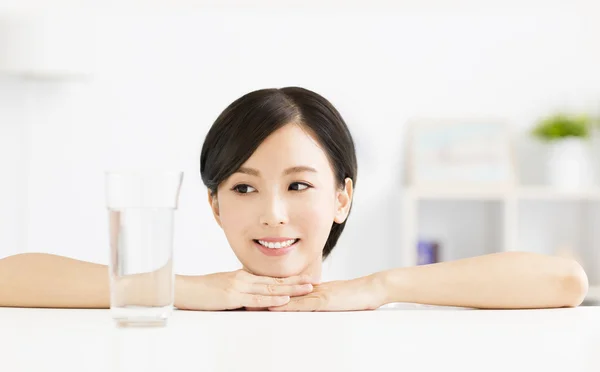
(141, 207)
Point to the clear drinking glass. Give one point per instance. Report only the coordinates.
(141, 207)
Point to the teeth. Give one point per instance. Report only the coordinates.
(277, 245)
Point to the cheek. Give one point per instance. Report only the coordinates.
(315, 215)
(234, 219)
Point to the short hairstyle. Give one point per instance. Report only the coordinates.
(248, 121)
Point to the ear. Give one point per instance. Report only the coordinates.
(213, 201)
(343, 201)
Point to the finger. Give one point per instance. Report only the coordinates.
(298, 279)
(300, 304)
(254, 300)
(278, 290)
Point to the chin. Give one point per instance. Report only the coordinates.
(275, 271)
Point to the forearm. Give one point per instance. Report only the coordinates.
(51, 281)
(189, 290)
(504, 280)
(45, 280)
(199, 292)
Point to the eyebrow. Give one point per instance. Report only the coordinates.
(292, 170)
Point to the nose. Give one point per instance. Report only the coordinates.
(274, 213)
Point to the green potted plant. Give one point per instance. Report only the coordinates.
(568, 137)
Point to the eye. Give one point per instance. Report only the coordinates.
(243, 189)
(299, 186)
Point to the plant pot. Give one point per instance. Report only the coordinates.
(569, 164)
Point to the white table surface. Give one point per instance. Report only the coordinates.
(407, 338)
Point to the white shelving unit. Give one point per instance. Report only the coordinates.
(510, 200)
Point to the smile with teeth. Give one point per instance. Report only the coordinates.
(277, 245)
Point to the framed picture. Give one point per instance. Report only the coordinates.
(459, 152)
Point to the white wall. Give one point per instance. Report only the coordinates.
(161, 79)
(12, 165)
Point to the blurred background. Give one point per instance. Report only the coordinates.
(101, 88)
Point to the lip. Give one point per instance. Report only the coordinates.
(275, 252)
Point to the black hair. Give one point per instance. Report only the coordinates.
(249, 120)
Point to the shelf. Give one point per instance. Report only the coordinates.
(522, 193)
(462, 193)
(510, 199)
(549, 193)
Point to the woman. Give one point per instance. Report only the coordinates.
(280, 168)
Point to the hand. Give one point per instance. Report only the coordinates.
(366, 293)
(237, 289)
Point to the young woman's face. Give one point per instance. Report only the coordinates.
(278, 208)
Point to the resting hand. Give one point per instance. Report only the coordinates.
(366, 293)
(237, 289)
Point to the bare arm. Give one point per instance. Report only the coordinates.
(51, 281)
(508, 280)
(45, 280)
